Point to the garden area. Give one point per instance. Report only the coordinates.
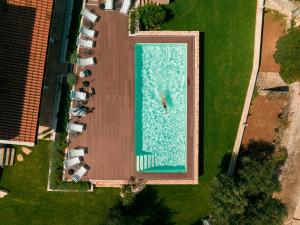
(226, 51)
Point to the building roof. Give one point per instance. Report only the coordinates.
(25, 26)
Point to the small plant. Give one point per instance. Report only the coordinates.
(73, 58)
(130, 190)
(133, 21)
(71, 79)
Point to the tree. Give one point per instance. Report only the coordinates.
(287, 55)
(152, 16)
(71, 79)
(247, 197)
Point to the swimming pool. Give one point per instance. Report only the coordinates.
(161, 107)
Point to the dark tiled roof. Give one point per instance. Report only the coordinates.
(24, 30)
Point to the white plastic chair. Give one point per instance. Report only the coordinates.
(85, 43)
(82, 62)
(78, 175)
(70, 163)
(76, 152)
(109, 4)
(75, 127)
(87, 32)
(125, 7)
(78, 95)
(89, 15)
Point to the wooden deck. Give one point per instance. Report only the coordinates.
(109, 134)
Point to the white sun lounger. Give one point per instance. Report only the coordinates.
(77, 111)
(75, 127)
(78, 175)
(88, 32)
(82, 62)
(69, 163)
(76, 152)
(78, 95)
(85, 43)
(109, 4)
(125, 7)
(89, 15)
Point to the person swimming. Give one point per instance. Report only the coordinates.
(164, 104)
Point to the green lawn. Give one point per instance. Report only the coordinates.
(229, 32)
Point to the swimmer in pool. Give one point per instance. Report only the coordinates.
(164, 104)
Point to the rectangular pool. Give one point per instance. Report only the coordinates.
(161, 107)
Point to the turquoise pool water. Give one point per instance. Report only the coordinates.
(160, 133)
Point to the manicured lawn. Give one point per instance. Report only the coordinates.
(229, 32)
(30, 203)
(228, 27)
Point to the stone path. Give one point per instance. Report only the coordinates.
(286, 7)
(256, 58)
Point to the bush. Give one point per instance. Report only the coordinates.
(287, 55)
(152, 16)
(71, 79)
(73, 58)
(74, 28)
(247, 198)
(63, 112)
(133, 21)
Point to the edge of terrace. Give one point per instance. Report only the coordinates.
(118, 183)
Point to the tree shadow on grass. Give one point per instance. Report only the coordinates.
(147, 209)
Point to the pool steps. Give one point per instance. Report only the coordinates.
(146, 161)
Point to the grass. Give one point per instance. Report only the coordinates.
(228, 28)
(30, 203)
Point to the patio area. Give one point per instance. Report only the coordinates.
(109, 133)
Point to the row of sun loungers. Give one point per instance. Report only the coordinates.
(74, 161)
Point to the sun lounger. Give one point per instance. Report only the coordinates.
(109, 4)
(75, 127)
(89, 15)
(78, 175)
(78, 111)
(78, 95)
(85, 43)
(76, 152)
(125, 7)
(82, 62)
(70, 163)
(87, 32)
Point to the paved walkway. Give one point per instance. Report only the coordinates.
(256, 59)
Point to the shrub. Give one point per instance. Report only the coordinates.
(287, 55)
(71, 79)
(133, 21)
(73, 58)
(152, 16)
(74, 28)
(247, 198)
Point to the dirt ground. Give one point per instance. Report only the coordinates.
(263, 118)
(273, 28)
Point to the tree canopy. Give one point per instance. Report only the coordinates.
(287, 55)
(247, 197)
